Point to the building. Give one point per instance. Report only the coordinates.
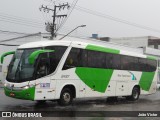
(149, 44)
(140, 42)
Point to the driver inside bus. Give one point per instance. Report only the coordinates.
(43, 69)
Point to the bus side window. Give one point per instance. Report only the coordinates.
(128, 62)
(151, 65)
(73, 59)
(96, 59)
(135, 65)
(83, 58)
(109, 61)
(116, 62)
(55, 57)
(124, 62)
(142, 64)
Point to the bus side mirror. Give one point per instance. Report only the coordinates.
(6, 54)
(35, 54)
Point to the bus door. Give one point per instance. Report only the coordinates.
(46, 87)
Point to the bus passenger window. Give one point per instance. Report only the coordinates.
(73, 59)
(96, 59)
(69, 60)
(126, 62)
(83, 58)
(109, 60)
(151, 65)
(142, 64)
(116, 62)
(55, 57)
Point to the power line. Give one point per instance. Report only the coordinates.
(12, 39)
(20, 18)
(3, 31)
(15, 22)
(9, 45)
(61, 21)
(68, 14)
(106, 16)
(115, 19)
(56, 18)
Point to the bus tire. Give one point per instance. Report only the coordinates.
(66, 97)
(135, 94)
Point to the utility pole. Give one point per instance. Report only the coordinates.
(53, 25)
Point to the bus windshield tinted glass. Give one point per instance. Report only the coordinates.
(19, 68)
(48, 62)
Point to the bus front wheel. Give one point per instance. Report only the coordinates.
(135, 94)
(66, 97)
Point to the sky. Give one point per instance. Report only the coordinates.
(24, 16)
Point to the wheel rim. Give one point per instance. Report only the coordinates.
(66, 97)
(135, 94)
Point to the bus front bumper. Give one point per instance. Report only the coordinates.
(26, 94)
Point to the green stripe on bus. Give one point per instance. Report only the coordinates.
(146, 80)
(151, 58)
(96, 79)
(102, 49)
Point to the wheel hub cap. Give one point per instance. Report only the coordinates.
(66, 97)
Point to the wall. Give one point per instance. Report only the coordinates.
(132, 41)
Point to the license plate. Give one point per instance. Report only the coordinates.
(12, 94)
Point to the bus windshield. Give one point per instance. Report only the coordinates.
(19, 68)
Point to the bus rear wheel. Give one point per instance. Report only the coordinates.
(66, 97)
(135, 94)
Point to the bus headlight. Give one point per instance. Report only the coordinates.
(5, 85)
(31, 85)
(26, 87)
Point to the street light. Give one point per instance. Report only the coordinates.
(72, 31)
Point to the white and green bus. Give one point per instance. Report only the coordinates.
(63, 70)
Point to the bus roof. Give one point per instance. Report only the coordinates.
(44, 43)
(86, 43)
(68, 40)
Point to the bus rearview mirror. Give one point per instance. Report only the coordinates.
(6, 54)
(33, 56)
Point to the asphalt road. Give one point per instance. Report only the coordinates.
(145, 103)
